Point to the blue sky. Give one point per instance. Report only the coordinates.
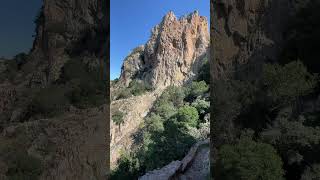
(131, 22)
(17, 27)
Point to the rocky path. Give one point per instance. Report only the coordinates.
(194, 166)
(199, 169)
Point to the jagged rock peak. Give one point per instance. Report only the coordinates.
(172, 55)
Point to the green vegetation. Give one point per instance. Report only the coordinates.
(189, 115)
(248, 160)
(78, 86)
(117, 117)
(272, 106)
(50, 101)
(166, 133)
(135, 88)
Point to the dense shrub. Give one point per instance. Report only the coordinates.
(128, 167)
(138, 87)
(286, 83)
(204, 72)
(50, 101)
(117, 117)
(87, 89)
(248, 160)
(196, 89)
(188, 115)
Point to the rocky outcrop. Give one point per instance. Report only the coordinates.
(66, 28)
(247, 32)
(194, 166)
(172, 55)
(72, 144)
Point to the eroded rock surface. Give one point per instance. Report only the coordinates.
(172, 55)
(247, 32)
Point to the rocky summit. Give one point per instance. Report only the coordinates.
(172, 55)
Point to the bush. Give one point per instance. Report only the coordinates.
(201, 105)
(50, 101)
(124, 93)
(196, 89)
(188, 115)
(87, 87)
(288, 82)
(117, 117)
(155, 123)
(204, 72)
(138, 87)
(165, 109)
(248, 160)
(128, 167)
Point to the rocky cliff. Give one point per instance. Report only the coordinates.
(71, 144)
(67, 28)
(172, 55)
(247, 32)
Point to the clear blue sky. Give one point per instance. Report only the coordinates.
(131, 22)
(17, 26)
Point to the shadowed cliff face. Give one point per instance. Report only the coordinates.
(70, 144)
(173, 53)
(247, 32)
(67, 28)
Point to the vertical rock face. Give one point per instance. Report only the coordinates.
(67, 28)
(71, 145)
(173, 53)
(247, 31)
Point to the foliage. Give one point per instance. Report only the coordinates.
(188, 115)
(50, 101)
(288, 82)
(117, 117)
(204, 72)
(128, 167)
(135, 88)
(155, 123)
(138, 87)
(196, 89)
(201, 105)
(248, 160)
(86, 87)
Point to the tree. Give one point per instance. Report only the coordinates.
(248, 160)
(155, 123)
(201, 105)
(117, 117)
(285, 84)
(189, 115)
(196, 89)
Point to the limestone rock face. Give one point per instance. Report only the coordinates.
(247, 32)
(67, 28)
(173, 53)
